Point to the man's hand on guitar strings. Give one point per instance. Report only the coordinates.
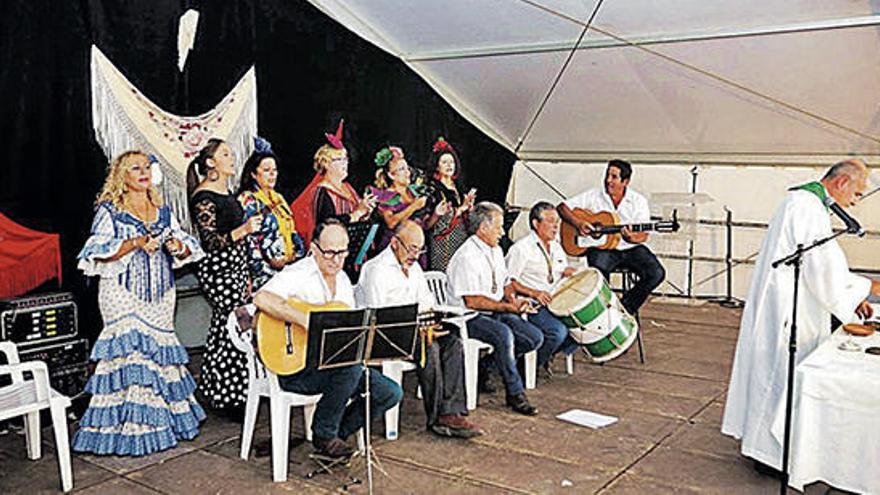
(586, 228)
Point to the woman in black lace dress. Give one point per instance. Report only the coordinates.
(224, 273)
(446, 233)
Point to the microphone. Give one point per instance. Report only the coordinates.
(852, 225)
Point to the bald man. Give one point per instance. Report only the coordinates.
(756, 396)
(394, 278)
(319, 279)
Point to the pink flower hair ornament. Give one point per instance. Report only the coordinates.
(335, 140)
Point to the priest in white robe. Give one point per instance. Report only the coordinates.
(756, 396)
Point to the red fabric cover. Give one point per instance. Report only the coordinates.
(304, 212)
(303, 207)
(27, 258)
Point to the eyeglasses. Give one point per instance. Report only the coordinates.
(341, 159)
(411, 250)
(330, 254)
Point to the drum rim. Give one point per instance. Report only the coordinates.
(618, 348)
(604, 302)
(594, 330)
(592, 295)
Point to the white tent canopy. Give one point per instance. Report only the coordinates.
(757, 94)
(687, 77)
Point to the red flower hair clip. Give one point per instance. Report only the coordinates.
(441, 145)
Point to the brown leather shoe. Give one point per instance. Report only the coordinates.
(455, 425)
(332, 447)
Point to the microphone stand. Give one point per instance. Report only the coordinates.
(795, 260)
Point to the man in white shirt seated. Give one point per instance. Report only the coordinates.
(319, 279)
(535, 264)
(478, 280)
(631, 253)
(394, 278)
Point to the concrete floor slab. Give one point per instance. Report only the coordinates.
(630, 484)
(712, 414)
(118, 486)
(706, 473)
(205, 472)
(704, 439)
(18, 474)
(634, 378)
(123, 464)
(614, 400)
(693, 314)
(718, 371)
(485, 461)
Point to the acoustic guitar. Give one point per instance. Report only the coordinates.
(283, 346)
(607, 229)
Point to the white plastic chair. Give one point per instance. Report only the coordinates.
(264, 383)
(472, 347)
(394, 370)
(438, 283)
(27, 398)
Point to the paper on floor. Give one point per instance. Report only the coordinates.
(587, 418)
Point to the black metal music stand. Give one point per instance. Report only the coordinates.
(360, 240)
(795, 260)
(365, 337)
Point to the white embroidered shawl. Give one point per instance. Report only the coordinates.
(124, 119)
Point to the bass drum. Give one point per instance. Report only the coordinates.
(595, 319)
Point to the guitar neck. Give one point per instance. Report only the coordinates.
(635, 227)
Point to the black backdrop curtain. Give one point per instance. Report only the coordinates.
(310, 72)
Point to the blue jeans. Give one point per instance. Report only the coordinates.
(510, 336)
(641, 261)
(556, 337)
(333, 418)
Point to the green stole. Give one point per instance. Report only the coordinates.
(816, 188)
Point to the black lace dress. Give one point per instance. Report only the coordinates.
(450, 232)
(224, 275)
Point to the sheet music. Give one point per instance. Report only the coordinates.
(589, 419)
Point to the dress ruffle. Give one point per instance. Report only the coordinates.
(142, 394)
(135, 340)
(142, 414)
(142, 375)
(140, 444)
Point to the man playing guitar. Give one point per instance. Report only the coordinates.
(319, 279)
(630, 253)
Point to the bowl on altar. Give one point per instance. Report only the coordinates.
(861, 330)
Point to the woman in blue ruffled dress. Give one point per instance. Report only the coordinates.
(142, 394)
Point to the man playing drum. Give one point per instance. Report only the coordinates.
(631, 253)
(478, 280)
(535, 264)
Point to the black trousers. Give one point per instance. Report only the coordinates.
(639, 260)
(442, 377)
